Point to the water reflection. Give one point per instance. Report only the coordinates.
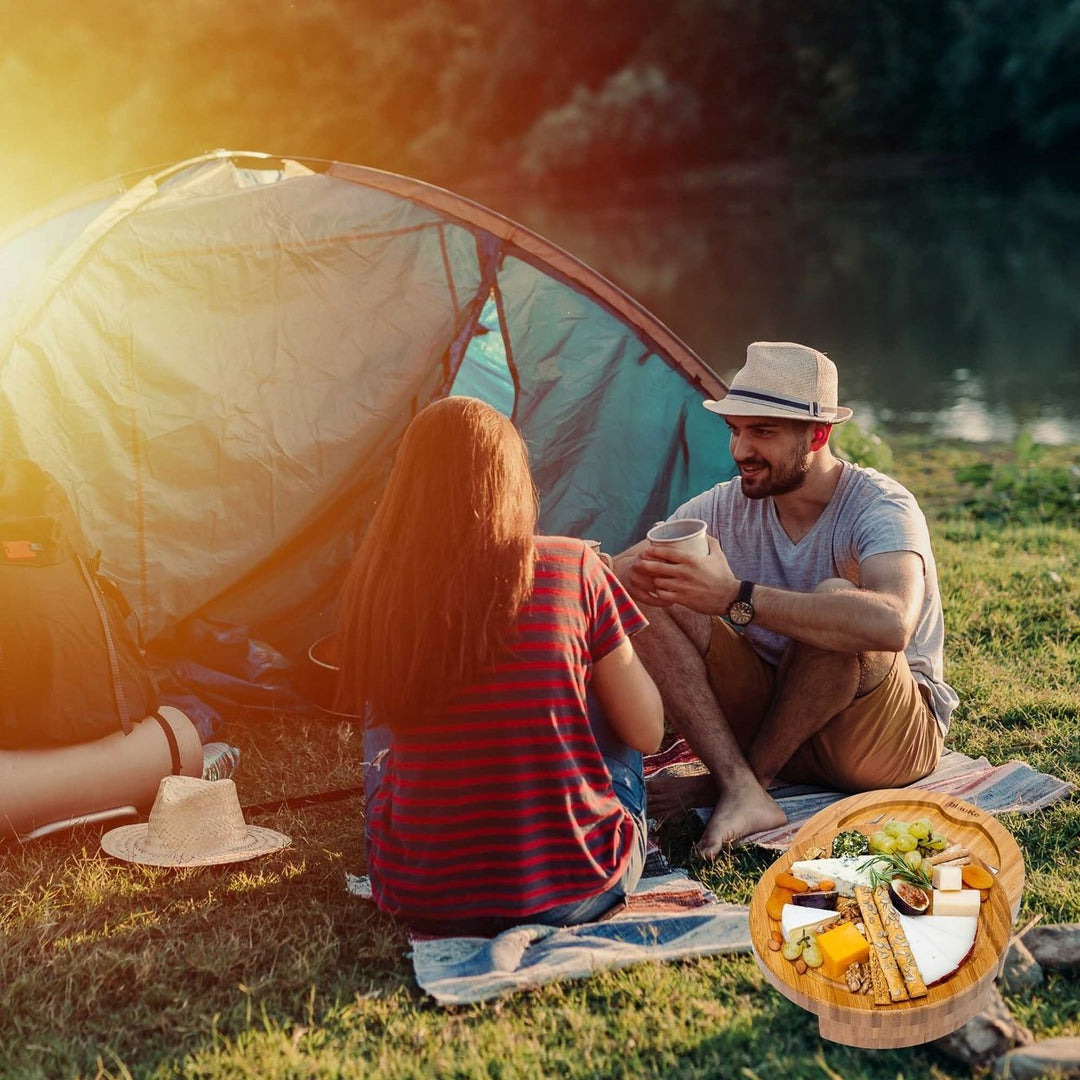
(951, 305)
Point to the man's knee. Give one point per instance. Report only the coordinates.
(669, 626)
(873, 667)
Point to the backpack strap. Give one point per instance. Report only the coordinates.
(174, 747)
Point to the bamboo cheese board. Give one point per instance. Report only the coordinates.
(854, 1019)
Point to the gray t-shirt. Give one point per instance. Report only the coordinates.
(869, 514)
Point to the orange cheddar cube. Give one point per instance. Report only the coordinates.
(841, 947)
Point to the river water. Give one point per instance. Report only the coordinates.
(951, 305)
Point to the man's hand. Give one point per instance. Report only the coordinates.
(662, 577)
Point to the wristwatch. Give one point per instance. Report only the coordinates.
(741, 612)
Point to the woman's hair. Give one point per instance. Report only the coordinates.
(433, 594)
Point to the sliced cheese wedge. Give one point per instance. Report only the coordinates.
(796, 921)
(938, 930)
(940, 943)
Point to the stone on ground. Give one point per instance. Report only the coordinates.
(1021, 971)
(1055, 946)
(1050, 1058)
(986, 1036)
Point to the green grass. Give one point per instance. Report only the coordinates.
(269, 969)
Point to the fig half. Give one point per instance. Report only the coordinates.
(907, 898)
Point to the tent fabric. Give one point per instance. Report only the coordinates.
(218, 360)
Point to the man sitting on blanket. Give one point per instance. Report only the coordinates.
(808, 642)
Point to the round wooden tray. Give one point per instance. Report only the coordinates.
(854, 1019)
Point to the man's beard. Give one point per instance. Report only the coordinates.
(784, 477)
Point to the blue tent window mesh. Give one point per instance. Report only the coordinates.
(484, 372)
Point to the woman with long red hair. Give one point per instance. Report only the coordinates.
(477, 651)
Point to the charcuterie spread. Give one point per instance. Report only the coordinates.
(889, 915)
(887, 911)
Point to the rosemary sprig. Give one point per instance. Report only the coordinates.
(896, 866)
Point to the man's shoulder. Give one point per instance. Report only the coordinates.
(871, 485)
(881, 512)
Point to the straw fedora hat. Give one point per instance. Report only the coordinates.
(193, 822)
(781, 378)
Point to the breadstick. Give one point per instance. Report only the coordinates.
(955, 851)
(879, 943)
(877, 980)
(898, 942)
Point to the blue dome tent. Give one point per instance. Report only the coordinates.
(217, 360)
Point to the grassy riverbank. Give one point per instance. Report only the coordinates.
(268, 970)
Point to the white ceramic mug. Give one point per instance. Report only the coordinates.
(682, 534)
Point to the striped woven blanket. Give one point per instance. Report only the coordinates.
(997, 789)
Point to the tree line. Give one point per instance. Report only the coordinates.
(571, 92)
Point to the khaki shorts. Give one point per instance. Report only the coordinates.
(888, 738)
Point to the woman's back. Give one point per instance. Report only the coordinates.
(501, 805)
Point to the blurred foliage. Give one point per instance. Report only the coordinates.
(1011, 75)
(868, 449)
(637, 117)
(578, 91)
(1025, 490)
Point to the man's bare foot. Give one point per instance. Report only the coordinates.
(669, 792)
(738, 813)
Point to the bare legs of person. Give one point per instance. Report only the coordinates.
(813, 685)
(673, 650)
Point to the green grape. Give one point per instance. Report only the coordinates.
(937, 842)
(920, 829)
(792, 950)
(913, 859)
(906, 842)
(895, 828)
(882, 843)
(812, 955)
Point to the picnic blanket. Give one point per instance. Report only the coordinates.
(997, 789)
(669, 916)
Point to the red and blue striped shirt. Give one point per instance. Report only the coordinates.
(501, 806)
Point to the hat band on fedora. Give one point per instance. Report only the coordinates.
(811, 408)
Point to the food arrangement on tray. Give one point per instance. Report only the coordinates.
(889, 921)
(887, 914)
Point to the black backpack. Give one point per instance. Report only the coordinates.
(71, 668)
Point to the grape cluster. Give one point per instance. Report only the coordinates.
(914, 842)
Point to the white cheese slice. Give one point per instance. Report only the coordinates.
(948, 878)
(939, 943)
(960, 902)
(938, 930)
(845, 873)
(796, 920)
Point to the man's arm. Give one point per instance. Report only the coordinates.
(880, 616)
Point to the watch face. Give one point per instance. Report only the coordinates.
(741, 612)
